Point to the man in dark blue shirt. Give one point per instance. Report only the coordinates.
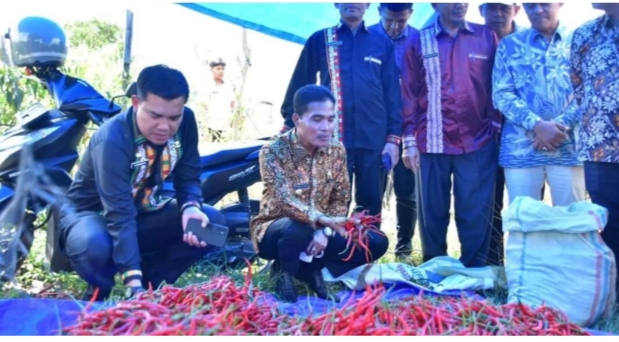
(118, 220)
(359, 67)
(394, 24)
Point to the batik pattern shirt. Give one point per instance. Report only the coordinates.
(300, 186)
(531, 82)
(595, 77)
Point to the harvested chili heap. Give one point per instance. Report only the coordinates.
(220, 307)
(358, 226)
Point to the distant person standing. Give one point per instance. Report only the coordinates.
(220, 102)
(394, 23)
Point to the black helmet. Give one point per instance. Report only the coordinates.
(37, 42)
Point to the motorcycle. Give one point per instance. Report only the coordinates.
(53, 136)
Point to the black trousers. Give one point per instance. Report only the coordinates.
(406, 207)
(602, 183)
(285, 239)
(369, 178)
(474, 177)
(165, 256)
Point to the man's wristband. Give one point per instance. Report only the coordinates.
(131, 275)
(191, 204)
(394, 140)
(409, 142)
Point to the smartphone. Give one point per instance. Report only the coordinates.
(213, 234)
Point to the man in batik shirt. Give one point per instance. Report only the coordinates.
(595, 77)
(531, 88)
(305, 200)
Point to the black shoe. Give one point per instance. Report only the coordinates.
(102, 295)
(284, 288)
(317, 284)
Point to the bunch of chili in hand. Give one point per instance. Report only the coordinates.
(358, 226)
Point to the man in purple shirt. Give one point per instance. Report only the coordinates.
(394, 23)
(450, 128)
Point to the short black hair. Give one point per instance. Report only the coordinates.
(163, 81)
(217, 62)
(396, 6)
(308, 94)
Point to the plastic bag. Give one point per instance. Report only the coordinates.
(555, 256)
(437, 275)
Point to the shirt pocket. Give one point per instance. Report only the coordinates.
(371, 67)
(479, 63)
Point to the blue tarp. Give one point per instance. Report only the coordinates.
(37, 317)
(28, 317)
(293, 22)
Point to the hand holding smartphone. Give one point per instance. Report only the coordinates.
(213, 234)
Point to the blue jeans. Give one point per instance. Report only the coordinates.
(165, 256)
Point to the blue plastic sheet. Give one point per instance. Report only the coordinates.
(293, 21)
(37, 317)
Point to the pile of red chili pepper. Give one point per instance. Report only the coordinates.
(358, 226)
(220, 307)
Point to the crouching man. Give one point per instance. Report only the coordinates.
(118, 220)
(305, 200)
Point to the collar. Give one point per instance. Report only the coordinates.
(405, 33)
(560, 33)
(438, 29)
(341, 25)
(608, 25)
(137, 135)
(298, 151)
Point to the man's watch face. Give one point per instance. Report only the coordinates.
(328, 231)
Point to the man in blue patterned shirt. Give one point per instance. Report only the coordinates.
(531, 87)
(595, 77)
(394, 24)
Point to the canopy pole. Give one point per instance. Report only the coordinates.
(127, 50)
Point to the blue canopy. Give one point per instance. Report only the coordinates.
(293, 22)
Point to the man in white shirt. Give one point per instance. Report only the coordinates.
(220, 101)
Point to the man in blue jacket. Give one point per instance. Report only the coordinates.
(119, 221)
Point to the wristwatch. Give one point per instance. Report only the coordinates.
(328, 232)
(131, 291)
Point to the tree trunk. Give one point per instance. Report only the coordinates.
(239, 113)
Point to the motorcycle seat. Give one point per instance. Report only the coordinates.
(219, 153)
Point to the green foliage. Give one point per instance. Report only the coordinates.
(18, 91)
(94, 34)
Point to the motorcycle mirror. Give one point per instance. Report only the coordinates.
(112, 103)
